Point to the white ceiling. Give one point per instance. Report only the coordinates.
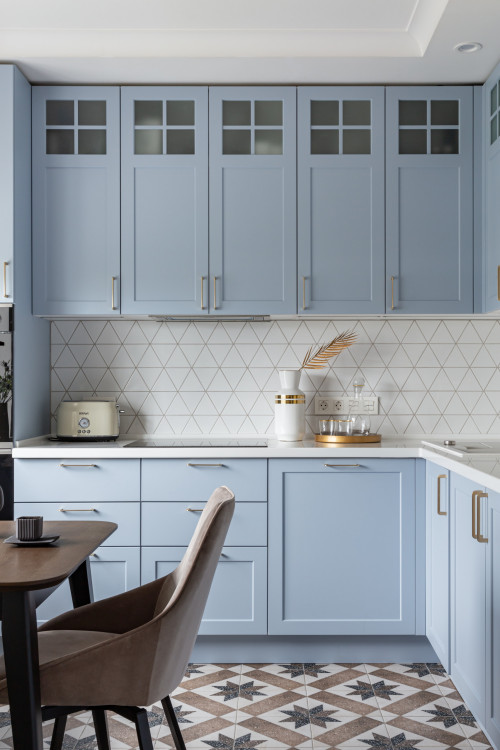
(267, 41)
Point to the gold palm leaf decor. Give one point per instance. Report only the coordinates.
(319, 359)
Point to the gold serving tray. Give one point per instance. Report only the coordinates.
(371, 438)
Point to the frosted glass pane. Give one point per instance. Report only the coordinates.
(60, 141)
(92, 113)
(356, 113)
(60, 112)
(236, 113)
(236, 142)
(356, 141)
(413, 141)
(148, 113)
(180, 112)
(324, 113)
(91, 141)
(268, 141)
(444, 141)
(412, 113)
(148, 142)
(269, 113)
(180, 141)
(494, 99)
(444, 113)
(493, 129)
(324, 141)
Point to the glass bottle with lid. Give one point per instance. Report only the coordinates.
(360, 422)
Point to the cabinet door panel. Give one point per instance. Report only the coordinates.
(237, 603)
(429, 200)
(252, 200)
(113, 570)
(491, 191)
(165, 200)
(76, 200)
(437, 578)
(342, 548)
(341, 200)
(492, 532)
(468, 599)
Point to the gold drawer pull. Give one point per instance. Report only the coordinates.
(113, 306)
(195, 510)
(5, 264)
(334, 466)
(440, 512)
(474, 530)
(392, 292)
(94, 554)
(202, 301)
(303, 292)
(215, 292)
(480, 537)
(78, 510)
(219, 465)
(84, 466)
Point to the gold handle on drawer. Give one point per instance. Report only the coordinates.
(5, 264)
(474, 530)
(194, 510)
(220, 465)
(498, 283)
(392, 292)
(303, 292)
(94, 554)
(77, 510)
(83, 466)
(334, 466)
(215, 292)
(439, 511)
(113, 279)
(480, 537)
(202, 285)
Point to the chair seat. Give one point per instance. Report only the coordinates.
(54, 644)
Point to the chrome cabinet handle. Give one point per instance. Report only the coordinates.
(215, 292)
(439, 511)
(303, 292)
(5, 264)
(194, 510)
(113, 279)
(392, 293)
(78, 510)
(83, 466)
(480, 538)
(220, 465)
(202, 285)
(334, 466)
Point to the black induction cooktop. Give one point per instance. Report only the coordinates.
(199, 443)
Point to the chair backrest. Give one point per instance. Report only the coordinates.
(184, 594)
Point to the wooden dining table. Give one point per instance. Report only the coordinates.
(28, 575)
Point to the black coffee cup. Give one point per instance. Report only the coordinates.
(29, 528)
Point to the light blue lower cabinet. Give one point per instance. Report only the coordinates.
(343, 538)
(113, 569)
(237, 603)
(437, 562)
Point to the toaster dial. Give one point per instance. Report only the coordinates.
(84, 422)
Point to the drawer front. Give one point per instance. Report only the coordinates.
(237, 601)
(113, 571)
(194, 480)
(39, 480)
(173, 524)
(126, 515)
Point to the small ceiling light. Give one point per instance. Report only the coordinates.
(468, 47)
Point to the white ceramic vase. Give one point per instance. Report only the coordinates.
(290, 407)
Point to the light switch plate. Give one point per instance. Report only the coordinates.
(345, 405)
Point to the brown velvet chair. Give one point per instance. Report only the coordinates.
(131, 650)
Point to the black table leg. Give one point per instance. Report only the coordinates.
(20, 647)
(80, 583)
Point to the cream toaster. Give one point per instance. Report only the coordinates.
(96, 419)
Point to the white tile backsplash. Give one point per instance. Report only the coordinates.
(432, 376)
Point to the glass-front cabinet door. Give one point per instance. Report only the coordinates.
(76, 200)
(252, 200)
(491, 192)
(429, 199)
(165, 200)
(340, 148)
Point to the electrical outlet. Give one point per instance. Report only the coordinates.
(345, 405)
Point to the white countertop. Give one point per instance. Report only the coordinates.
(484, 469)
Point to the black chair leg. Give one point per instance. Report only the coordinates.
(56, 742)
(101, 728)
(173, 723)
(143, 731)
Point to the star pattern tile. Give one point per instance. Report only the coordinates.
(432, 376)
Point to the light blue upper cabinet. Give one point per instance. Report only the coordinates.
(491, 192)
(252, 200)
(341, 232)
(165, 200)
(429, 199)
(76, 200)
